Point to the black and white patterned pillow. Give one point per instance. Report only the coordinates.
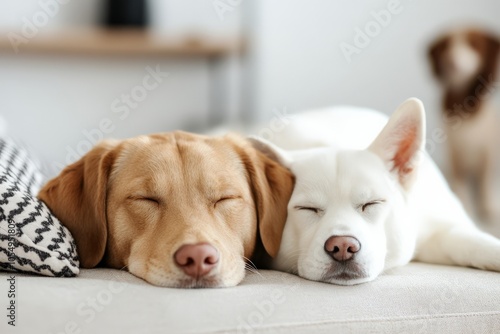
(32, 240)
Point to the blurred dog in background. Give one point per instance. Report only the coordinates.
(465, 63)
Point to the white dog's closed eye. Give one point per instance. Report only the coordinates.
(363, 207)
(370, 205)
(312, 209)
(371, 208)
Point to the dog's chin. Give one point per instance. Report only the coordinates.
(168, 279)
(345, 274)
(213, 281)
(201, 283)
(347, 280)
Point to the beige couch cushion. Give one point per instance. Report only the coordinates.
(418, 298)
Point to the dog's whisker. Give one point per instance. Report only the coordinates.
(248, 261)
(254, 272)
(250, 268)
(253, 269)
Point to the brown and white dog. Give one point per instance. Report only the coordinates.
(465, 63)
(176, 209)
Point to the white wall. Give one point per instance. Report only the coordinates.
(295, 62)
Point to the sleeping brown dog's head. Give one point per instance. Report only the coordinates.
(177, 209)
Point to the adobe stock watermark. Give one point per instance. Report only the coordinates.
(221, 7)
(265, 308)
(280, 120)
(462, 111)
(122, 107)
(31, 26)
(439, 305)
(12, 308)
(89, 309)
(364, 35)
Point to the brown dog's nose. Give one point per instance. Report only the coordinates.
(342, 248)
(196, 260)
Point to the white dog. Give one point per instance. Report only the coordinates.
(371, 199)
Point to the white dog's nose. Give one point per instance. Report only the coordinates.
(342, 248)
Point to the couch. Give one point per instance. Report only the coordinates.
(417, 298)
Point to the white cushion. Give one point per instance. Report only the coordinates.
(417, 298)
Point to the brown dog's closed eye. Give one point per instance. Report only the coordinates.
(100, 199)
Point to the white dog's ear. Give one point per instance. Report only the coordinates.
(402, 141)
(270, 150)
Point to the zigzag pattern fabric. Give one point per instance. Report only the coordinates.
(32, 240)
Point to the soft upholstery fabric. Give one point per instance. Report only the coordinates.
(418, 298)
(31, 238)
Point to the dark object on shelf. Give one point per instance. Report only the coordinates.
(126, 13)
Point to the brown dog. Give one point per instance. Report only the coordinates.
(176, 209)
(465, 63)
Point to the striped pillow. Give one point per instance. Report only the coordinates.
(32, 240)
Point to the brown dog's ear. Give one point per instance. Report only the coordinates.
(435, 55)
(272, 186)
(77, 197)
(491, 56)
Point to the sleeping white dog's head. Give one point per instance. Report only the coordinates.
(348, 218)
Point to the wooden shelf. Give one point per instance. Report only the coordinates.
(123, 42)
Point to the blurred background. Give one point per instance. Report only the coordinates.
(72, 72)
